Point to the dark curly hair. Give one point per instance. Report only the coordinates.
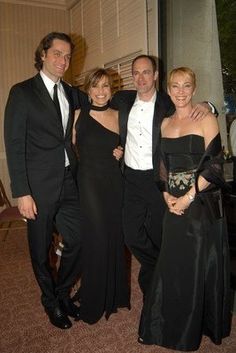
(46, 43)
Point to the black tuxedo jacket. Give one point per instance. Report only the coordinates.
(124, 100)
(35, 141)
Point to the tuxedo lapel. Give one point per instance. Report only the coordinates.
(124, 115)
(157, 120)
(45, 98)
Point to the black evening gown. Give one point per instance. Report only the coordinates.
(190, 292)
(104, 285)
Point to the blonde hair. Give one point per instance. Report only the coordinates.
(184, 71)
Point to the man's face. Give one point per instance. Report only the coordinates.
(57, 59)
(143, 76)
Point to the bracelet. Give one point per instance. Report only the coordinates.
(190, 197)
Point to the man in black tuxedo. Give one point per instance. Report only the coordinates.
(141, 113)
(42, 167)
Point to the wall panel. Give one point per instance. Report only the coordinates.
(55, 4)
(107, 30)
(21, 28)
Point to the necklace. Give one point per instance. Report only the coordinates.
(100, 109)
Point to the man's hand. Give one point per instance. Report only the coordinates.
(118, 153)
(200, 110)
(27, 207)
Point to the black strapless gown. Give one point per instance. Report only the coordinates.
(104, 285)
(190, 292)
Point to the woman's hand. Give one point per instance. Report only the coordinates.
(181, 204)
(169, 199)
(118, 153)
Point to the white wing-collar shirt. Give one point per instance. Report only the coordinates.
(138, 147)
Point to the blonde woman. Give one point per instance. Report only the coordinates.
(189, 295)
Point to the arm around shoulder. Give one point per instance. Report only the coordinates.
(80, 98)
(121, 97)
(210, 128)
(212, 108)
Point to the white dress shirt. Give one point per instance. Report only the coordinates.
(64, 105)
(138, 147)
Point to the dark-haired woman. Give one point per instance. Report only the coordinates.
(104, 285)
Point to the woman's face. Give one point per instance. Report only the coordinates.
(181, 89)
(101, 92)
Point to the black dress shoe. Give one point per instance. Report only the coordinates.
(58, 318)
(70, 308)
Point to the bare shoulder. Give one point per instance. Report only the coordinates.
(209, 122)
(165, 123)
(209, 127)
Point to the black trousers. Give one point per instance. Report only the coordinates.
(65, 215)
(142, 220)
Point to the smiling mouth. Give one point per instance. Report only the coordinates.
(181, 98)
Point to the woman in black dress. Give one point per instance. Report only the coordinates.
(190, 293)
(104, 285)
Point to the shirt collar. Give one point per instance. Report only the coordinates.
(48, 82)
(140, 101)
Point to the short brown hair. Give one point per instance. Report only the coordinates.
(151, 58)
(95, 76)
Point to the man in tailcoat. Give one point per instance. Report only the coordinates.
(42, 167)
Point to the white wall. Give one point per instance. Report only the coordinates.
(192, 40)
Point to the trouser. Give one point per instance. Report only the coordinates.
(142, 220)
(65, 215)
